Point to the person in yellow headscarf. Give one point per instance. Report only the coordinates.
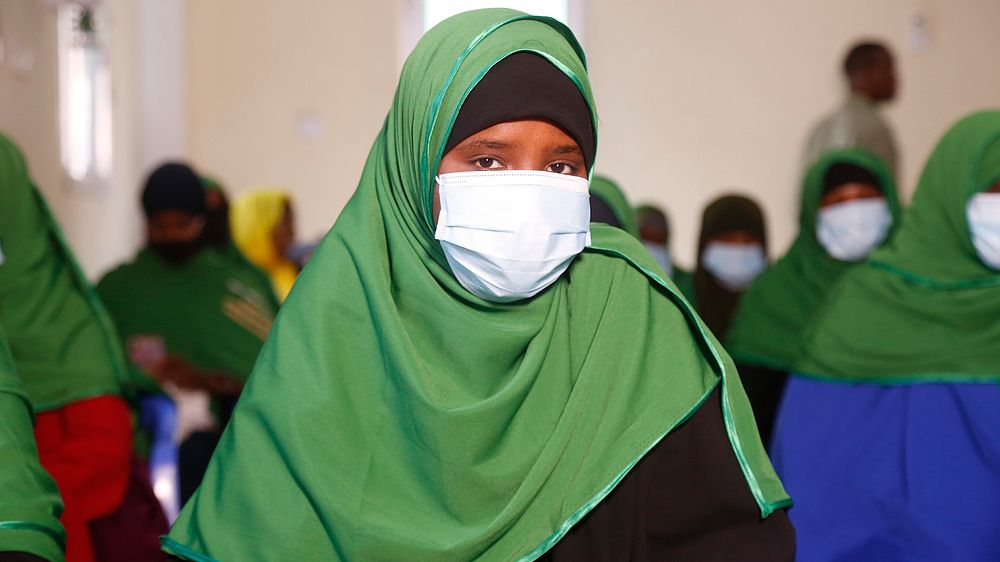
(263, 226)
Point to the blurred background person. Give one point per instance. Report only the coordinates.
(732, 252)
(887, 434)
(263, 226)
(871, 80)
(218, 234)
(191, 321)
(609, 205)
(849, 208)
(66, 355)
(654, 231)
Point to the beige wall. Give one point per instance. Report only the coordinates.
(259, 72)
(700, 96)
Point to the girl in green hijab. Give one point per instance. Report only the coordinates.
(451, 378)
(887, 434)
(848, 202)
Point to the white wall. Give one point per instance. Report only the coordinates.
(700, 96)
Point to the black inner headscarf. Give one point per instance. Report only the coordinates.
(173, 186)
(843, 173)
(715, 303)
(525, 86)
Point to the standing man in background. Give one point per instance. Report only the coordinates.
(871, 77)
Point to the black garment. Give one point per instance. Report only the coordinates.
(716, 304)
(687, 500)
(600, 211)
(192, 460)
(522, 86)
(19, 557)
(764, 388)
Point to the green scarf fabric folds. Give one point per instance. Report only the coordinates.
(59, 334)
(29, 511)
(608, 191)
(393, 415)
(783, 299)
(924, 308)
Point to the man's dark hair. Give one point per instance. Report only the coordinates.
(862, 55)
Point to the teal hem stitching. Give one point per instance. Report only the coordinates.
(901, 380)
(171, 546)
(930, 283)
(36, 527)
(575, 518)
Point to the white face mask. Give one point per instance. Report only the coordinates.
(849, 231)
(735, 266)
(661, 255)
(510, 234)
(983, 214)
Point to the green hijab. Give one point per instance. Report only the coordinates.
(59, 335)
(395, 416)
(924, 308)
(29, 512)
(606, 190)
(781, 301)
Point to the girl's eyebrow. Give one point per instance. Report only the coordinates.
(489, 143)
(567, 149)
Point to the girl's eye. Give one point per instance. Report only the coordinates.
(488, 163)
(560, 168)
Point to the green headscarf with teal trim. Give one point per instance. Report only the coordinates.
(924, 308)
(393, 415)
(29, 511)
(61, 339)
(608, 191)
(783, 299)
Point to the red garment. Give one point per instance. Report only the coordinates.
(86, 446)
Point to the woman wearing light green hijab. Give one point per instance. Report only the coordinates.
(887, 434)
(451, 378)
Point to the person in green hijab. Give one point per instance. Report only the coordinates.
(848, 208)
(29, 512)
(654, 231)
(469, 369)
(64, 352)
(191, 320)
(732, 252)
(887, 434)
(609, 205)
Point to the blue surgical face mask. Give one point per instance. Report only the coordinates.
(983, 215)
(849, 231)
(661, 255)
(735, 266)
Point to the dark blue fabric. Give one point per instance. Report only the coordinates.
(887, 473)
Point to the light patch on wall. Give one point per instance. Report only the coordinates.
(84, 99)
